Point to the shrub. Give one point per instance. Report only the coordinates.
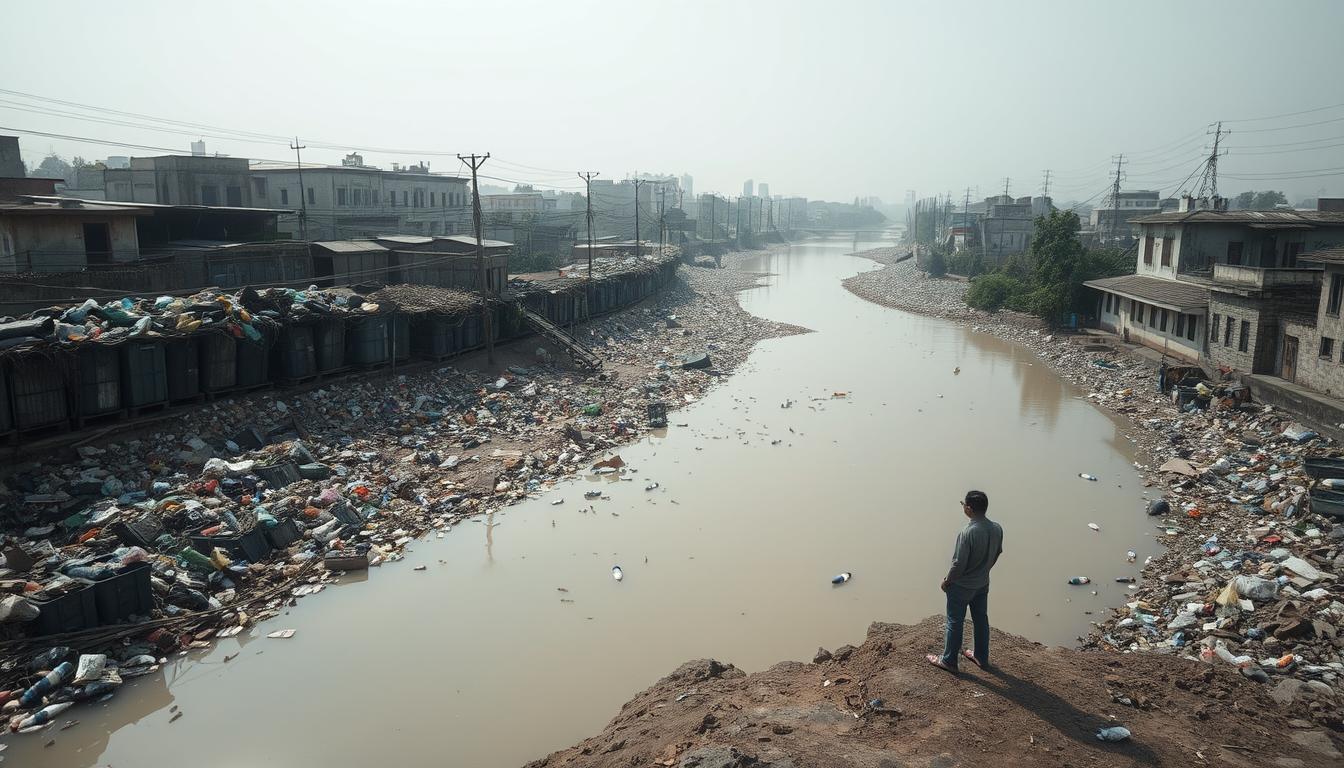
(994, 291)
(936, 264)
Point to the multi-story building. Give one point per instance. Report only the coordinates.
(1221, 286)
(354, 200)
(181, 180)
(711, 219)
(763, 190)
(748, 188)
(1008, 224)
(517, 202)
(1115, 221)
(614, 209)
(687, 188)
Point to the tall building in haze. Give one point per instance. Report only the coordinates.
(747, 187)
(764, 189)
(687, 187)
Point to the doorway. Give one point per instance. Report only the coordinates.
(97, 243)
(1289, 372)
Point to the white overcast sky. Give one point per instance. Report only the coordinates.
(823, 99)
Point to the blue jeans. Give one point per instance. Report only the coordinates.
(958, 599)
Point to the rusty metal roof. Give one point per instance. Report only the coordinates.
(1171, 294)
(1324, 256)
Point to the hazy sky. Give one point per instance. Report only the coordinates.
(823, 99)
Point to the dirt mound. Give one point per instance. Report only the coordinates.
(882, 705)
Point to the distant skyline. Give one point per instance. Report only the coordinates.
(826, 100)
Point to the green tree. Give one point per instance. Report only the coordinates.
(53, 166)
(993, 292)
(1057, 255)
(1259, 201)
(936, 263)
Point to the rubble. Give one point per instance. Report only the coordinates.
(1252, 566)
(159, 541)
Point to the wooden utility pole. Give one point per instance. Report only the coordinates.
(662, 221)
(637, 183)
(303, 193)
(476, 161)
(587, 177)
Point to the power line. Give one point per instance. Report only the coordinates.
(1293, 127)
(1286, 114)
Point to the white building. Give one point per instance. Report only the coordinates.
(353, 200)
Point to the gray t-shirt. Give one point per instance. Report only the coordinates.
(978, 547)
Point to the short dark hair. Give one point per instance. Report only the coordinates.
(977, 501)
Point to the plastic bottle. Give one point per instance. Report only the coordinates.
(51, 681)
(195, 560)
(1086, 476)
(841, 578)
(44, 715)
(617, 573)
(1077, 580)
(1131, 556)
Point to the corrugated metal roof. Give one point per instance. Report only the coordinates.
(1324, 256)
(471, 240)
(118, 204)
(1172, 294)
(350, 246)
(1205, 216)
(406, 239)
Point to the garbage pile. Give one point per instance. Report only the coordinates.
(166, 540)
(246, 313)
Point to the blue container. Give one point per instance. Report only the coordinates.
(124, 595)
(251, 546)
(433, 337)
(401, 337)
(254, 362)
(219, 362)
(144, 375)
(367, 342)
(74, 611)
(296, 354)
(182, 359)
(329, 344)
(99, 379)
(39, 392)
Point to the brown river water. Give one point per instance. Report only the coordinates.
(477, 661)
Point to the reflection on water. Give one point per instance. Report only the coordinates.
(481, 659)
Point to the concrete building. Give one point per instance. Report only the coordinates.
(748, 188)
(763, 190)
(687, 188)
(518, 202)
(711, 220)
(1008, 224)
(353, 200)
(1237, 270)
(62, 235)
(11, 160)
(181, 180)
(614, 209)
(1311, 348)
(1115, 221)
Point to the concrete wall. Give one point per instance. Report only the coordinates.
(347, 203)
(1313, 371)
(1120, 319)
(1260, 355)
(1197, 247)
(55, 243)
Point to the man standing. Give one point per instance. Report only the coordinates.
(967, 584)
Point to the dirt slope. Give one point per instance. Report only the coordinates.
(1040, 707)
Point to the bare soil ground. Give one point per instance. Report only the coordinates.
(886, 707)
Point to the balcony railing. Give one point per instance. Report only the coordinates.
(1261, 278)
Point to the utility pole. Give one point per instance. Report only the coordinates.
(303, 192)
(1006, 183)
(1210, 176)
(637, 183)
(966, 218)
(476, 161)
(587, 177)
(662, 222)
(1115, 196)
(1045, 187)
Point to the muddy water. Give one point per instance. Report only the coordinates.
(478, 661)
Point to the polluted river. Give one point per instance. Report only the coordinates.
(846, 449)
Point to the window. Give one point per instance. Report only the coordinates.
(234, 195)
(284, 196)
(1110, 301)
(1213, 328)
(1138, 312)
(431, 199)
(340, 196)
(1234, 253)
(259, 186)
(1327, 348)
(1162, 324)
(1148, 250)
(312, 197)
(1245, 340)
(1166, 251)
(405, 197)
(1180, 324)
(1336, 294)
(1227, 331)
(209, 195)
(1190, 327)
(392, 199)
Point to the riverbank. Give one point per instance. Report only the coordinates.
(386, 459)
(1247, 575)
(880, 704)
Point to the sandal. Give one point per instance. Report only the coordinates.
(970, 655)
(937, 661)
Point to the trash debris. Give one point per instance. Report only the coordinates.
(1076, 580)
(1094, 526)
(1114, 733)
(617, 573)
(282, 634)
(841, 578)
(1086, 476)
